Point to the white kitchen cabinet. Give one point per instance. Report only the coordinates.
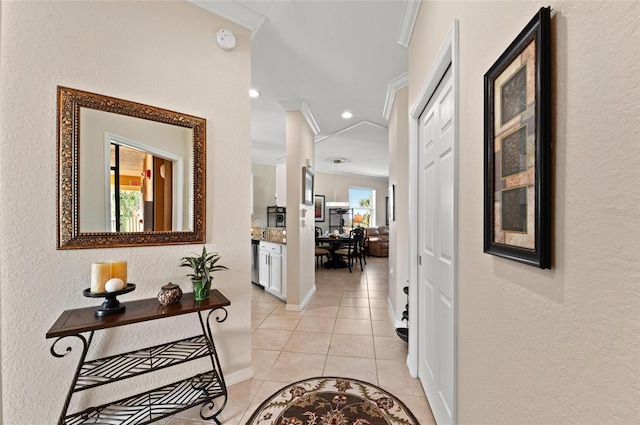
(281, 185)
(273, 268)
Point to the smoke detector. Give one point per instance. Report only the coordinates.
(226, 40)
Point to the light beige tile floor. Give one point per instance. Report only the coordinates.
(345, 330)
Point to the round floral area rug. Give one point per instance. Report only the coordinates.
(332, 401)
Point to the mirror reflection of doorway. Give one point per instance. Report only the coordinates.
(162, 194)
(126, 181)
(144, 184)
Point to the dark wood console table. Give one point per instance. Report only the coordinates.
(202, 389)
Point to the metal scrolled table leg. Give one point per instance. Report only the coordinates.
(216, 367)
(86, 343)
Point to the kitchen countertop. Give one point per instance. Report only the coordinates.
(267, 240)
(270, 234)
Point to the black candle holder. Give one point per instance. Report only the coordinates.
(111, 305)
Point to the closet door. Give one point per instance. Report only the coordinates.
(436, 265)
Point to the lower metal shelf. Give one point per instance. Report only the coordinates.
(110, 369)
(156, 404)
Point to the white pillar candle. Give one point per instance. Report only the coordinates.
(100, 273)
(119, 270)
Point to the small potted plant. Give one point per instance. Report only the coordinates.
(203, 266)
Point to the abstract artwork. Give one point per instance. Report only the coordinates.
(319, 207)
(517, 163)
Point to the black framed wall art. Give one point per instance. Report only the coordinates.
(319, 207)
(517, 148)
(307, 186)
(391, 204)
(386, 215)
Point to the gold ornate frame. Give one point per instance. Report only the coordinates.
(69, 236)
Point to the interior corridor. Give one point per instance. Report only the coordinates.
(345, 330)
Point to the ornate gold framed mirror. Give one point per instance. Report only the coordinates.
(128, 174)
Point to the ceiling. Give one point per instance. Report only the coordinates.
(131, 160)
(325, 57)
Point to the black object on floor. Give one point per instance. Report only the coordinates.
(403, 333)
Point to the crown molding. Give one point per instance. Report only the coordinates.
(301, 105)
(235, 12)
(394, 85)
(407, 21)
(325, 170)
(279, 158)
(363, 122)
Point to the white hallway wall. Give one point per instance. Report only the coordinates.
(399, 228)
(559, 345)
(163, 54)
(300, 233)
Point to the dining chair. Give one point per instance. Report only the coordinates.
(354, 250)
(322, 250)
(361, 248)
(318, 235)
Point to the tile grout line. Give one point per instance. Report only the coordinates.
(333, 330)
(373, 338)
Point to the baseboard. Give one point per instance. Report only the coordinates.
(239, 376)
(306, 300)
(299, 307)
(397, 323)
(412, 365)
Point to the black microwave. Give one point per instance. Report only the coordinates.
(276, 216)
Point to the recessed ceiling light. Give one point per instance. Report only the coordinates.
(338, 160)
(254, 93)
(346, 115)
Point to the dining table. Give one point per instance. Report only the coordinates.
(334, 244)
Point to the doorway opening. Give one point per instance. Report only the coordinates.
(145, 187)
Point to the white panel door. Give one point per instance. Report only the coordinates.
(436, 267)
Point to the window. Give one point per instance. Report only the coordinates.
(363, 202)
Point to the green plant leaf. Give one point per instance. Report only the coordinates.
(203, 265)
